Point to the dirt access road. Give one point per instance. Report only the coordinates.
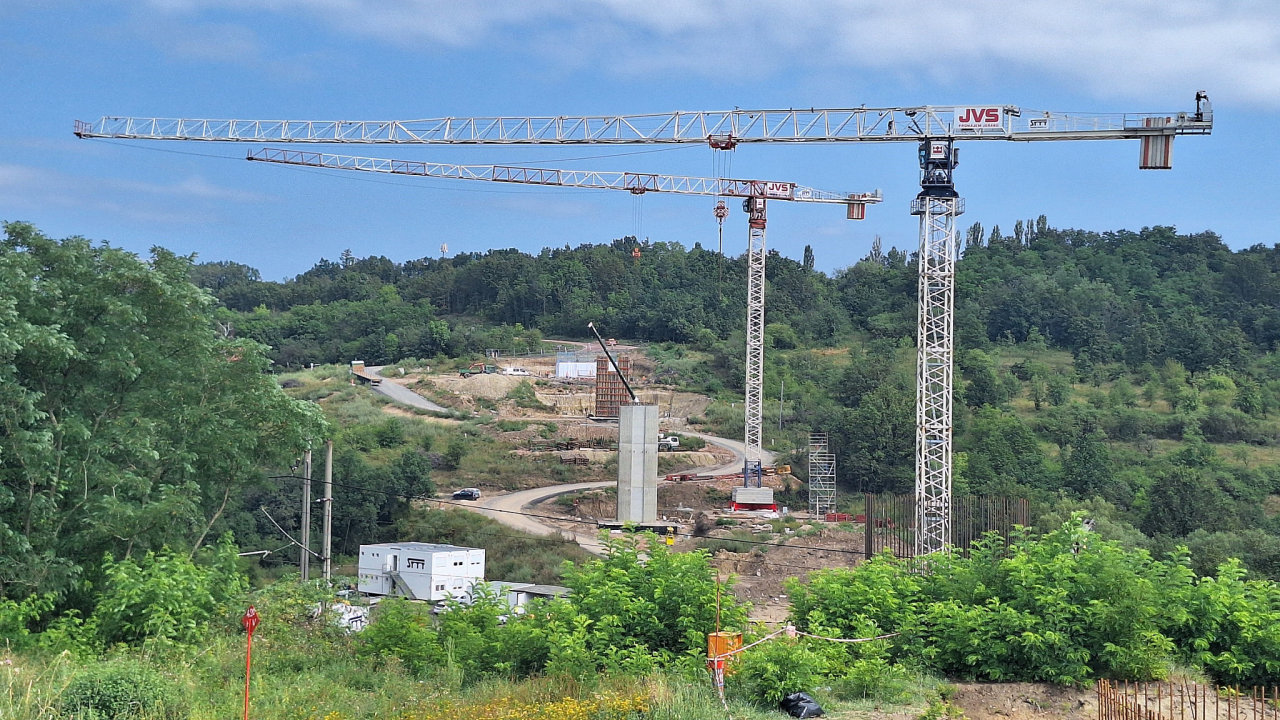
(401, 394)
(515, 509)
(518, 510)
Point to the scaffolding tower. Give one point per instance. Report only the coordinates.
(822, 477)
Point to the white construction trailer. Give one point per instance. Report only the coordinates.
(429, 572)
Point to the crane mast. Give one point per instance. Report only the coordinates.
(755, 194)
(935, 128)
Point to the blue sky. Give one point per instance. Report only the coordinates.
(379, 60)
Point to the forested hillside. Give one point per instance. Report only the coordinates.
(1132, 369)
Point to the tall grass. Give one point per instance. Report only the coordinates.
(304, 677)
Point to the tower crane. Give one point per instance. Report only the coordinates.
(935, 129)
(755, 195)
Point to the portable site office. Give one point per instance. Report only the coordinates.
(420, 571)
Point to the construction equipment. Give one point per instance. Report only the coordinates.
(479, 368)
(935, 128)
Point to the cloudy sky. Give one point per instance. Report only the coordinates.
(401, 60)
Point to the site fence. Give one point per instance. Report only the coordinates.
(1185, 701)
(890, 521)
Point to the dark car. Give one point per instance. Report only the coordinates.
(466, 494)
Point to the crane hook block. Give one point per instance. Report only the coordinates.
(722, 142)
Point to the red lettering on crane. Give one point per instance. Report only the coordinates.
(978, 117)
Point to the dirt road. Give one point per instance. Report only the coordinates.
(401, 394)
(514, 509)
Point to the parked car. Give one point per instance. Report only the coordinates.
(466, 494)
(516, 371)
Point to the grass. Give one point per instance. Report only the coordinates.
(301, 676)
(738, 541)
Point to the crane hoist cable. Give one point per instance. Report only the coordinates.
(721, 167)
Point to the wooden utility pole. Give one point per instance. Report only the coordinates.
(304, 557)
(326, 548)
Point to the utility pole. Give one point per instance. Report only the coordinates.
(304, 557)
(782, 387)
(327, 548)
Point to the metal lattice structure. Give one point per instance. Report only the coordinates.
(726, 128)
(931, 126)
(935, 351)
(822, 477)
(755, 192)
(635, 183)
(755, 330)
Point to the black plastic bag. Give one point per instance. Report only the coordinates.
(800, 705)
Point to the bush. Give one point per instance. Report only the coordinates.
(403, 631)
(525, 397)
(16, 617)
(875, 678)
(120, 689)
(775, 669)
(166, 596)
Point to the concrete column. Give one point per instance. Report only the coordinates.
(638, 463)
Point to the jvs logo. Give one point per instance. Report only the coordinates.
(778, 189)
(977, 117)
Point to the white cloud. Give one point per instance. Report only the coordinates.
(192, 200)
(1122, 49)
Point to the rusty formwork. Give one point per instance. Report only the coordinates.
(610, 392)
(1118, 700)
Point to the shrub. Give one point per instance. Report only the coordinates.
(16, 617)
(166, 596)
(875, 678)
(402, 631)
(120, 689)
(775, 669)
(525, 397)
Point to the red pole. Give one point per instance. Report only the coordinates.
(250, 623)
(248, 661)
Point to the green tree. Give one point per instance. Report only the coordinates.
(1087, 468)
(130, 421)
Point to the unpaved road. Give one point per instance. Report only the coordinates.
(400, 393)
(515, 509)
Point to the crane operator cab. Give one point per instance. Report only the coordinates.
(938, 159)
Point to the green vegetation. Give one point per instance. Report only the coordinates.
(1127, 383)
(129, 422)
(1065, 608)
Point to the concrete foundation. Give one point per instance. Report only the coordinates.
(638, 463)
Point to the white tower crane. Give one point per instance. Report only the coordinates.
(755, 194)
(935, 128)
